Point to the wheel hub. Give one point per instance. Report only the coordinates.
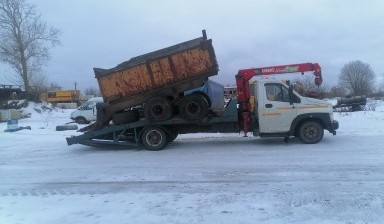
(193, 108)
(154, 138)
(311, 132)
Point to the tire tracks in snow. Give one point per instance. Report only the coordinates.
(185, 186)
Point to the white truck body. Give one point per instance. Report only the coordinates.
(277, 113)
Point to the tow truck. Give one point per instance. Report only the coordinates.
(268, 108)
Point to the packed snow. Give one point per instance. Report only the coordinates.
(198, 178)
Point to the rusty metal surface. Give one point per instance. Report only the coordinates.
(193, 59)
(150, 56)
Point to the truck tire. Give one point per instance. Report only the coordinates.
(194, 107)
(154, 138)
(311, 132)
(158, 109)
(126, 117)
(66, 127)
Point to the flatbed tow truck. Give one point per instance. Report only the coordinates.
(268, 108)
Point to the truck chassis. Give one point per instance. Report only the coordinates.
(155, 135)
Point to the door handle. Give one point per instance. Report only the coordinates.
(268, 105)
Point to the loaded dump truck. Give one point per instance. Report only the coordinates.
(179, 104)
(156, 82)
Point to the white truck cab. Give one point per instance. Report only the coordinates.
(280, 111)
(86, 112)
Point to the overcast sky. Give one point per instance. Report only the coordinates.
(245, 34)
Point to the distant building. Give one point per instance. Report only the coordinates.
(229, 92)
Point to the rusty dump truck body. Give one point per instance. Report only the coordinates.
(167, 72)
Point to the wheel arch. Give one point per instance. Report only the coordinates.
(320, 118)
(81, 117)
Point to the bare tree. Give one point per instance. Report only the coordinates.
(307, 83)
(92, 91)
(357, 78)
(25, 40)
(337, 91)
(306, 86)
(380, 86)
(54, 87)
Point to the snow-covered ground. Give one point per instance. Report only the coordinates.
(199, 178)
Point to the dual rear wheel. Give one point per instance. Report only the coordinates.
(192, 107)
(158, 109)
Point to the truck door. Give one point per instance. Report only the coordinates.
(275, 112)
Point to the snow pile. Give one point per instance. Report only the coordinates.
(375, 105)
(43, 115)
(14, 104)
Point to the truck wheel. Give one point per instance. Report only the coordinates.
(194, 107)
(154, 138)
(81, 120)
(157, 109)
(311, 132)
(125, 117)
